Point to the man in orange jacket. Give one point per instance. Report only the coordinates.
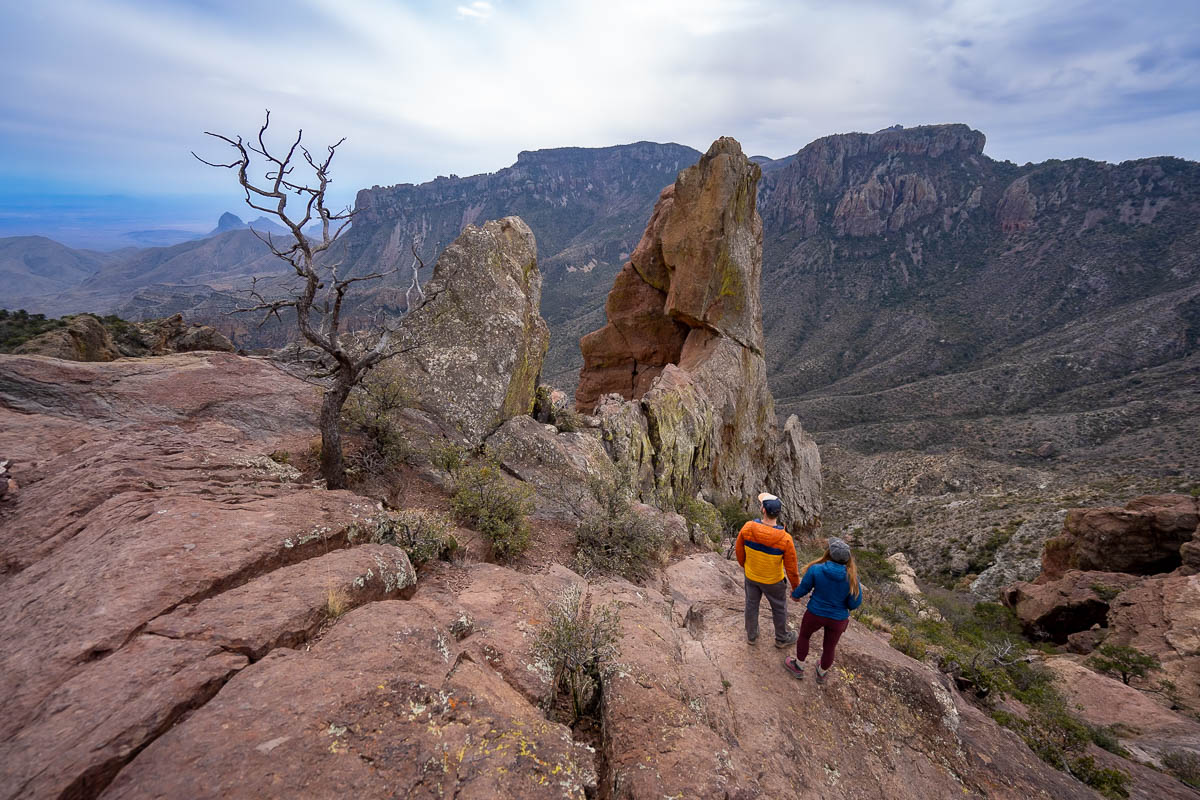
(766, 551)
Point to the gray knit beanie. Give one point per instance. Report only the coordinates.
(839, 551)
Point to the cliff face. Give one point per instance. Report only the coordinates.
(912, 283)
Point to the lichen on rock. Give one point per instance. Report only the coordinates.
(683, 348)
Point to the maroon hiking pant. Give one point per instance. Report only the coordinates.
(810, 624)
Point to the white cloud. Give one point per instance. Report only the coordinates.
(478, 10)
(118, 91)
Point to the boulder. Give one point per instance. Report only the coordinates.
(83, 339)
(558, 465)
(676, 376)
(1161, 616)
(387, 704)
(478, 340)
(1073, 603)
(1144, 538)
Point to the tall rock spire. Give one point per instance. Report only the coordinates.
(677, 374)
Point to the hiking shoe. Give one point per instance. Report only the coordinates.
(821, 673)
(795, 668)
(788, 639)
(751, 639)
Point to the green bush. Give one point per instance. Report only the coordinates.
(447, 456)
(18, 327)
(702, 517)
(733, 517)
(873, 567)
(1184, 765)
(371, 408)
(578, 646)
(484, 501)
(617, 540)
(423, 535)
(907, 642)
(1128, 662)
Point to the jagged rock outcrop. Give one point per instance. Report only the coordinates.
(1155, 613)
(683, 351)
(1075, 602)
(83, 339)
(86, 338)
(170, 335)
(479, 340)
(1144, 538)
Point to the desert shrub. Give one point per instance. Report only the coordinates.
(733, 516)
(703, 520)
(336, 602)
(873, 567)
(484, 501)
(1105, 737)
(1119, 659)
(447, 456)
(18, 327)
(1184, 765)
(617, 540)
(1112, 783)
(907, 642)
(423, 535)
(578, 646)
(1105, 592)
(371, 408)
(281, 457)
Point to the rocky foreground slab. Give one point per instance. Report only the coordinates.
(167, 632)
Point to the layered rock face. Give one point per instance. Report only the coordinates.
(478, 341)
(1144, 538)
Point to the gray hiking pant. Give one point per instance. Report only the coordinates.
(777, 596)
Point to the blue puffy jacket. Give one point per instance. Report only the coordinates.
(830, 589)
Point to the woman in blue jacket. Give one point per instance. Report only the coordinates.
(833, 581)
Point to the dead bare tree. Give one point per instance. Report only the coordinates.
(318, 301)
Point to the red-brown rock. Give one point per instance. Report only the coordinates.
(1075, 602)
(684, 337)
(385, 705)
(1144, 538)
(1161, 616)
(1146, 728)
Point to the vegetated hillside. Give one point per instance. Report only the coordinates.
(920, 295)
(32, 267)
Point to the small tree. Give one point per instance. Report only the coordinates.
(1119, 659)
(318, 301)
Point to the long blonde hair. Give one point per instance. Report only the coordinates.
(851, 572)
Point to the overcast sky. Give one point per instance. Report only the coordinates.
(109, 96)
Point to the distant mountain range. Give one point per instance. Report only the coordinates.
(917, 294)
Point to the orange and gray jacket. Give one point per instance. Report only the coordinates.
(766, 552)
